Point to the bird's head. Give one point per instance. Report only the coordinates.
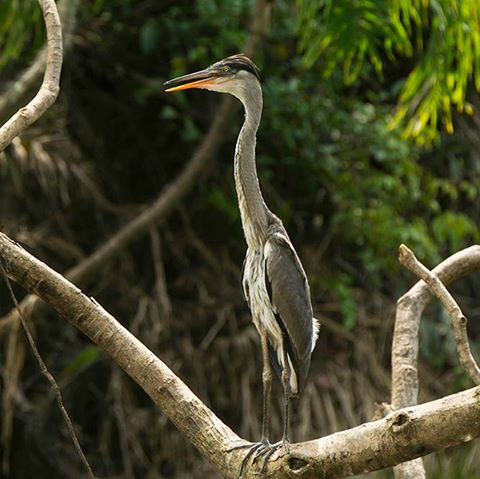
(236, 75)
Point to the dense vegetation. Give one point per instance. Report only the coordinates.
(345, 160)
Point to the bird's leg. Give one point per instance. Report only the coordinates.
(267, 388)
(258, 449)
(268, 451)
(286, 374)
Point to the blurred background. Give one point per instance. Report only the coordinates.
(369, 138)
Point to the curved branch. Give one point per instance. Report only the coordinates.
(459, 321)
(17, 90)
(399, 437)
(50, 87)
(405, 339)
(13, 127)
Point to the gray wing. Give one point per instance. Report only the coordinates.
(290, 297)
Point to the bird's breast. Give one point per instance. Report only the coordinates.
(257, 296)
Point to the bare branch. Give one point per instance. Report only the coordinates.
(459, 321)
(16, 91)
(405, 339)
(399, 437)
(13, 127)
(50, 87)
(202, 428)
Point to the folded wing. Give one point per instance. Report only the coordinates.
(290, 297)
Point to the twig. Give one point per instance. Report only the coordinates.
(459, 321)
(160, 286)
(47, 374)
(50, 87)
(123, 429)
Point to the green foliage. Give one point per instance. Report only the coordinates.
(340, 285)
(21, 24)
(442, 36)
(198, 43)
(88, 355)
(380, 190)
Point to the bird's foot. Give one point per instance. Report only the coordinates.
(262, 450)
(265, 453)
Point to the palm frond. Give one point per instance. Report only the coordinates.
(443, 36)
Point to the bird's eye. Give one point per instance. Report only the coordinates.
(226, 69)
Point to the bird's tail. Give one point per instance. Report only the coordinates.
(316, 330)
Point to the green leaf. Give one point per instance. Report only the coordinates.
(443, 36)
(85, 358)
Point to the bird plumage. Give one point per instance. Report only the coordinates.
(274, 282)
(239, 62)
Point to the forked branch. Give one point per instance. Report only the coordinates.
(405, 339)
(459, 321)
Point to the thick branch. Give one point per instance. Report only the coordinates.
(399, 437)
(50, 87)
(405, 339)
(459, 321)
(202, 428)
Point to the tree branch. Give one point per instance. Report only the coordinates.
(13, 127)
(405, 339)
(50, 87)
(201, 427)
(459, 321)
(17, 90)
(401, 436)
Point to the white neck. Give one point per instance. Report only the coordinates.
(252, 206)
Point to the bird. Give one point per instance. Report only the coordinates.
(274, 282)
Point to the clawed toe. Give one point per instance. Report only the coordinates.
(259, 450)
(267, 452)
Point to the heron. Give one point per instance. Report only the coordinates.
(274, 282)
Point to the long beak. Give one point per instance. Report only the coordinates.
(199, 79)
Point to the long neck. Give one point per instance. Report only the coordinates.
(252, 207)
